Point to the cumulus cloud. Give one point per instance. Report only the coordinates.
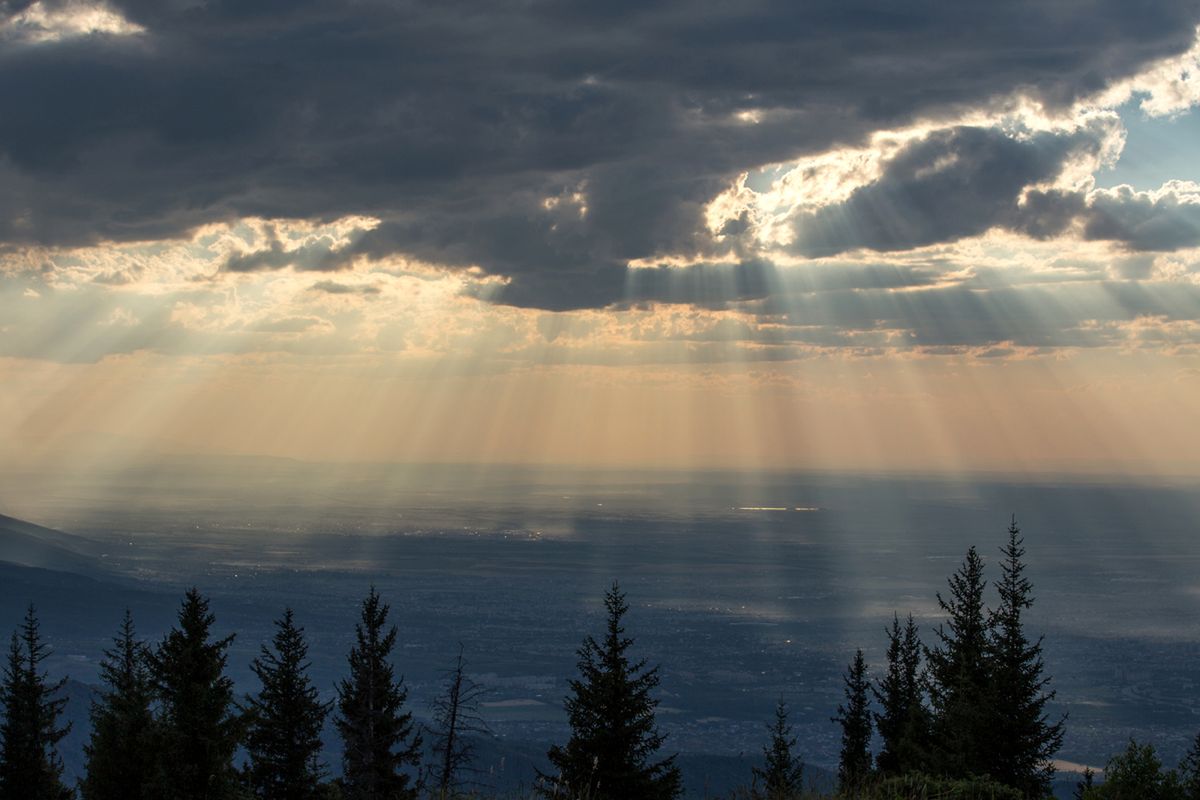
(1167, 219)
(961, 182)
(949, 185)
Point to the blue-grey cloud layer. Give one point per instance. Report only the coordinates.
(452, 122)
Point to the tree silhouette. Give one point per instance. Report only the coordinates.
(30, 767)
(1085, 784)
(782, 773)
(198, 728)
(903, 719)
(1189, 771)
(1137, 774)
(614, 738)
(455, 719)
(380, 738)
(283, 738)
(121, 753)
(960, 677)
(854, 762)
(1023, 740)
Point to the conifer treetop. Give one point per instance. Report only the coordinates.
(614, 738)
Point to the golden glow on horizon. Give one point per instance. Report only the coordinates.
(1021, 416)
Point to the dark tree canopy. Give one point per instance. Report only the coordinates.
(30, 767)
(1086, 782)
(611, 754)
(198, 729)
(781, 776)
(1189, 771)
(283, 738)
(1023, 740)
(1137, 774)
(121, 754)
(960, 677)
(854, 761)
(380, 739)
(903, 719)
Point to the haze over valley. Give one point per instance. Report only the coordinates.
(743, 588)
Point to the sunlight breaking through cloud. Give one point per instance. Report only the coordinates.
(43, 22)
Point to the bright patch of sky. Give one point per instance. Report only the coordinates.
(1157, 150)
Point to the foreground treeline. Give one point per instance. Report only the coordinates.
(965, 716)
(962, 717)
(167, 723)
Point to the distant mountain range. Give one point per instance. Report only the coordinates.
(28, 545)
(77, 599)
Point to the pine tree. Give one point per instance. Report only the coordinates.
(782, 773)
(1189, 771)
(455, 719)
(614, 738)
(1023, 740)
(120, 754)
(960, 678)
(1084, 785)
(380, 739)
(854, 763)
(903, 722)
(198, 729)
(283, 739)
(30, 767)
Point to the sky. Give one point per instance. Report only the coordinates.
(837, 235)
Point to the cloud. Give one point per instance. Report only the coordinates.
(319, 256)
(332, 287)
(949, 185)
(961, 182)
(455, 125)
(1163, 220)
(289, 325)
(47, 21)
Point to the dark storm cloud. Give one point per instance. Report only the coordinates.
(952, 184)
(453, 122)
(961, 182)
(1141, 221)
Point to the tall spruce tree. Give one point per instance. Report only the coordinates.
(121, 754)
(198, 728)
(1023, 740)
(854, 762)
(903, 719)
(960, 678)
(30, 767)
(283, 737)
(781, 776)
(614, 739)
(380, 739)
